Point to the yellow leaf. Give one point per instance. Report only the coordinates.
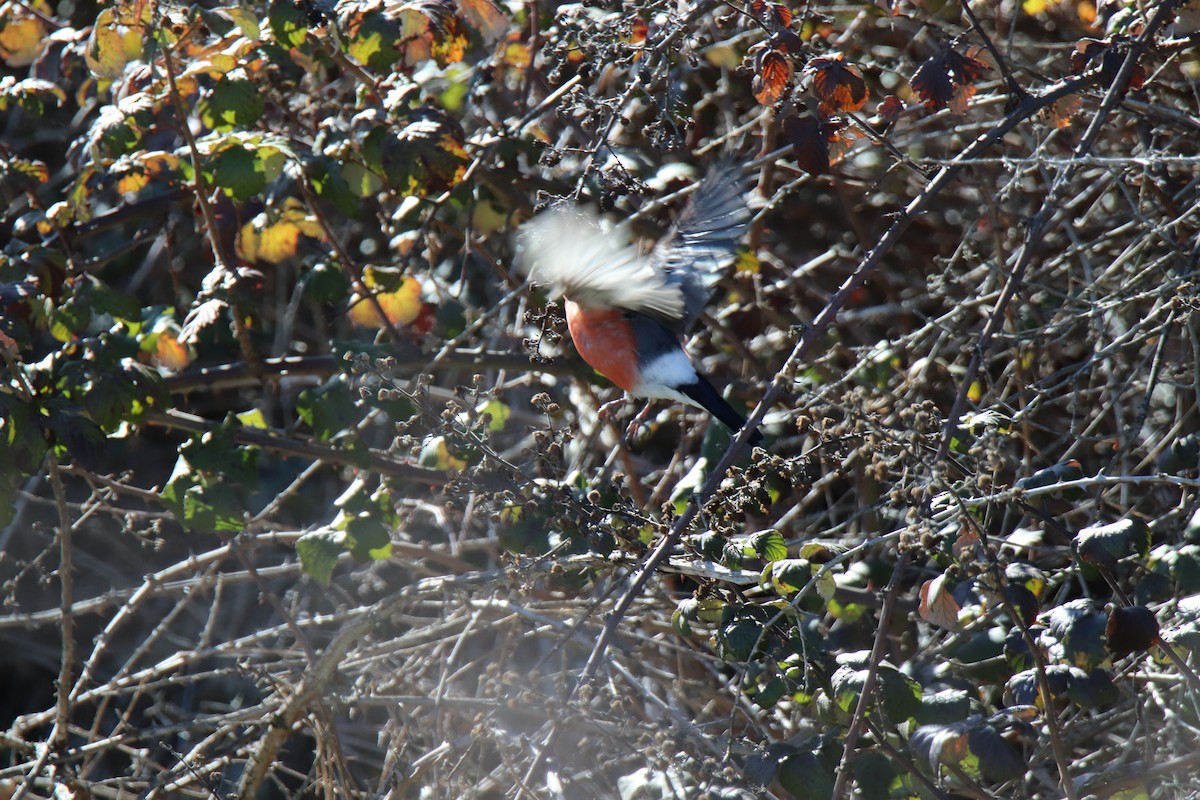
(273, 236)
(515, 53)
(253, 419)
(723, 56)
(437, 455)
(116, 39)
(22, 35)
(747, 262)
(487, 218)
(401, 306)
(975, 393)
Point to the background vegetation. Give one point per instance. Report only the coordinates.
(305, 493)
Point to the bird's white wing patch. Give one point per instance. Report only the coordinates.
(660, 378)
(568, 249)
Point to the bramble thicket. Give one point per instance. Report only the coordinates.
(305, 493)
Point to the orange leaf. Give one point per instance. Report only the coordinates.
(170, 353)
(774, 76)
(1061, 110)
(889, 110)
(838, 85)
(767, 12)
(946, 80)
(485, 17)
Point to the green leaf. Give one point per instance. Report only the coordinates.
(688, 485)
(767, 544)
(75, 432)
(372, 39)
(204, 507)
(874, 774)
(327, 284)
(791, 575)
(368, 539)
(289, 23)
(766, 695)
(235, 102)
(360, 181)
(425, 157)
(1105, 545)
(31, 94)
(245, 19)
(805, 777)
(946, 706)
(319, 551)
(976, 748)
(238, 171)
(329, 409)
(252, 419)
(1077, 628)
(215, 454)
(899, 695)
(737, 638)
(335, 182)
(499, 413)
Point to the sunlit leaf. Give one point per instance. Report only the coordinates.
(401, 305)
(319, 551)
(938, 606)
(1062, 110)
(484, 16)
(890, 108)
(288, 23)
(170, 353)
(1105, 545)
(772, 77)
(973, 746)
(427, 155)
(234, 102)
(766, 544)
(273, 235)
(838, 84)
(31, 94)
(117, 38)
(947, 79)
(771, 12)
(1075, 633)
(499, 413)
(22, 33)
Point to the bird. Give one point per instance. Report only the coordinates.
(627, 310)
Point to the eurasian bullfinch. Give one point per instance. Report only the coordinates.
(628, 310)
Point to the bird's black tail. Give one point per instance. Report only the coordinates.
(708, 398)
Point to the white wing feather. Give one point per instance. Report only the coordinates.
(568, 249)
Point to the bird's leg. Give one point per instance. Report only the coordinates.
(631, 431)
(610, 408)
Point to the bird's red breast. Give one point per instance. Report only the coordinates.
(604, 339)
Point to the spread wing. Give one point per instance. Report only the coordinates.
(704, 238)
(568, 249)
